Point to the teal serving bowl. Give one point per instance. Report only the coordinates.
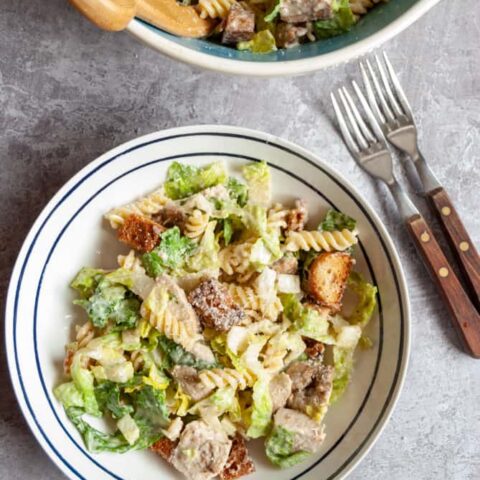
(380, 24)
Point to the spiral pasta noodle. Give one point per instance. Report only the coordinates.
(236, 258)
(222, 378)
(196, 224)
(214, 8)
(276, 218)
(84, 334)
(245, 297)
(145, 206)
(320, 241)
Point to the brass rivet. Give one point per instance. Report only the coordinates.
(443, 272)
(446, 211)
(425, 237)
(464, 246)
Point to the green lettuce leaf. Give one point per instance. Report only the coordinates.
(170, 254)
(258, 179)
(342, 21)
(151, 409)
(206, 256)
(306, 320)
(262, 409)
(174, 354)
(185, 180)
(108, 398)
(262, 42)
(238, 191)
(114, 302)
(97, 441)
(366, 299)
(279, 448)
(87, 280)
(274, 12)
(337, 221)
(68, 395)
(343, 364)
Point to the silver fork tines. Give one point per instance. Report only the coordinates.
(367, 144)
(394, 114)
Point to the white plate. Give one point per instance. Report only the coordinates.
(70, 233)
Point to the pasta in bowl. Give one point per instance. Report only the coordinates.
(217, 311)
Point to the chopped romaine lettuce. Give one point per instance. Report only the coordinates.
(258, 179)
(87, 280)
(108, 399)
(255, 220)
(174, 354)
(306, 320)
(238, 191)
(343, 364)
(274, 12)
(170, 254)
(206, 256)
(151, 409)
(185, 180)
(111, 301)
(279, 448)
(227, 230)
(97, 441)
(366, 299)
(262, 42)
(129, 429)
(342, 21)
(68, 395)
(337, 221)
(262, 408)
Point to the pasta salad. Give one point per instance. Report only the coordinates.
(262, 26)
(225, 322)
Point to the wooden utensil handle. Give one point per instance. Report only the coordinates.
(111, 15)
(465, 317)
(459, 240)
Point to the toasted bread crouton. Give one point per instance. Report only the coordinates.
(238, 463)
(140, 233)
(314, 348)
(164, 447)
(327, 278)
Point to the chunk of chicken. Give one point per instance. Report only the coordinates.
(298, 11)
(297, 217)
(280, 389)
(189, 381)
(312, 385)
(202, 451)
(308, 435)
(239, 25)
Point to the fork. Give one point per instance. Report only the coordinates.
(366, 142)
(394, 114)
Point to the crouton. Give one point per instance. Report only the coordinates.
(164, 447)
(327, 278)
(140, 233)
(215, 306)
(238, 463)
(314, 348)
(239, 25)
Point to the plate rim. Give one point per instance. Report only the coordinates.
(278, 68)
(209, 129)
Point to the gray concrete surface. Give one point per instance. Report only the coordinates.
(69, 92)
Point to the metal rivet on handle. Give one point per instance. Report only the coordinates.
(424, 237)
(443, 272)
(464, 246)
(446, 211)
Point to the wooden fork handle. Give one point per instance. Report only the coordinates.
(459, 241)
(111, 15)
(465, 317)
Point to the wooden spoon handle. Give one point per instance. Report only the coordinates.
(111, 15)
(464, 315)
(459, 240)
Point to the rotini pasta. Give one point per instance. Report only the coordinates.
(144, 206)
(320, 241)
(196, 224)
(245, 297)
(276, 217)
(236, 258)
(221, 378)
(214, 8)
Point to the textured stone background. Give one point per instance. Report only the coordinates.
(69, 92)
